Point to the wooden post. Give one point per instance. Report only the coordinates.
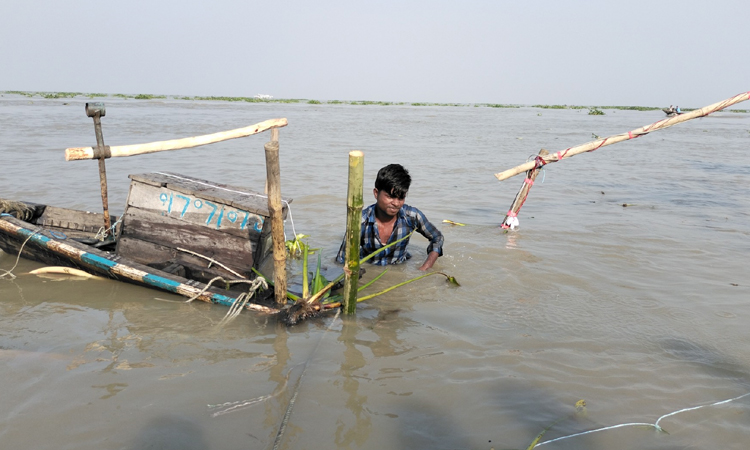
(354, 204)
(96, 112)
(273, 179)
(511, 220)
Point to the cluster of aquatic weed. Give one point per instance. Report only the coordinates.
(148, 96)
(316, 289)
(60, 94)
(243, 99)
(54, 95)
(631, 108)
(25, 94)
(595, 112)
(551, 106)
(313, 102)
(496, 105)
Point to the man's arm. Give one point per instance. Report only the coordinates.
(429, 231)
(431, 258)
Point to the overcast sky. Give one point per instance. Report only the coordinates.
(650, 53)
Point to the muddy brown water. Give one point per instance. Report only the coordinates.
(639, 310)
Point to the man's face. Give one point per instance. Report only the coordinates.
(388, 204)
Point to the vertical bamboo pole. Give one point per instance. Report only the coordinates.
(522, 194)
(273, 181)
(353, 229)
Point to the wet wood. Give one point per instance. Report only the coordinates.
(235, 252)
(70, 221)
(354, 205)
(273, 177)
(167, 211)
(236, 196)
(81, 153)
(42, 246)
(523, 192)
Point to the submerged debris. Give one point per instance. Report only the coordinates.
(298, 312)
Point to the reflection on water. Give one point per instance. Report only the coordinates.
(358, 432)
(639, 310)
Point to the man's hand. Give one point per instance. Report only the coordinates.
(431, 258)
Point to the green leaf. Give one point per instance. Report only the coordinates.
(450, 279)
(319, 281)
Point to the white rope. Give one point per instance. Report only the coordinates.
(230, 407)
(253, 194)
(9, 273)
(654, 425)
(212, 261)
(240, 302)
(102, 234)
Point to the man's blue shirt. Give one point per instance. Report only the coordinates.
(408, 219)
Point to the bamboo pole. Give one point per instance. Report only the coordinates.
(511, 218)
(80, 153)
(101, 151)
(594, 145)
(354, 205)
(273, 177)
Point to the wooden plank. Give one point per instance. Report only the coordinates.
(232, 251)
(159, 256)
(144, 252)
(71, 219)
(212, 216)
(236, 196)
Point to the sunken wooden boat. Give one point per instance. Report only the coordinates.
(179, 234)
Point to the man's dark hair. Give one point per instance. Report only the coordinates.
(394, 180)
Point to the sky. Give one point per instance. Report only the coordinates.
(615, 53)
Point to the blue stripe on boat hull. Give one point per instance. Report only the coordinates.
(98, 262)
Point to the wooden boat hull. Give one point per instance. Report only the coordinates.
(51, 246)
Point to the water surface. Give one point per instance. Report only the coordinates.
(639, 310)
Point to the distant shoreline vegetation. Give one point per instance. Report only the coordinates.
(64, 95)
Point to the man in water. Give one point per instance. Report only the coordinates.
(389, 219)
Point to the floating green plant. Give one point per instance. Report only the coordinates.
(60, 94)
(497, 105)
(595, 112)
(632, 108)
(313, 102)
(295, 247)
(551, 106)
(148, 96)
